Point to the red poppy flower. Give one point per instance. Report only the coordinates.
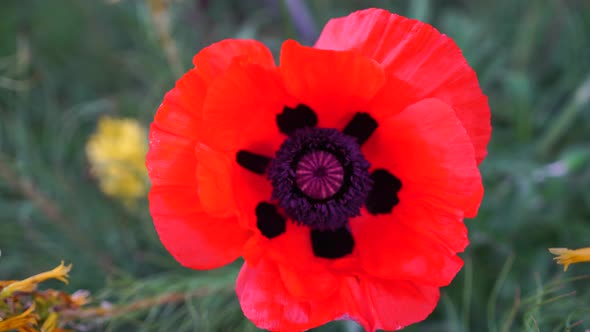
(342, 175)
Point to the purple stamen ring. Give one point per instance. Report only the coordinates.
(320, 178)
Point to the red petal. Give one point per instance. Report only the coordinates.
(184, 192)
(180, 112)
(334, 84)
(194, 239)
(445, 227)
(170, 159)
(314, 285)
(215, 59)
(309, 278)
(174, 132)
(388, 248)
(174, 201)
(240, 110)
(417, 53)
(266, 302)
(239, 114)
(427, 148)
(215, 186)
(388, 304)
(394, 97)
(249, 189)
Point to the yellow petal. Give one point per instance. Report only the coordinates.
(565, 256)
(29, 284)
(27, 329)
(50, 323)
(22, 321)
(4, 283)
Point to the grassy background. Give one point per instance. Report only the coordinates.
(64, 63)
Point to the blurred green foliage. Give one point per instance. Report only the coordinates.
(64, 63)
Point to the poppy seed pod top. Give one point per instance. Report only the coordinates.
(341, 176)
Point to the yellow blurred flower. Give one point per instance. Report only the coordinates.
(566, 256)
(29, 284)
(116, 152)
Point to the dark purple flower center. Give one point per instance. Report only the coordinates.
(320, 177)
